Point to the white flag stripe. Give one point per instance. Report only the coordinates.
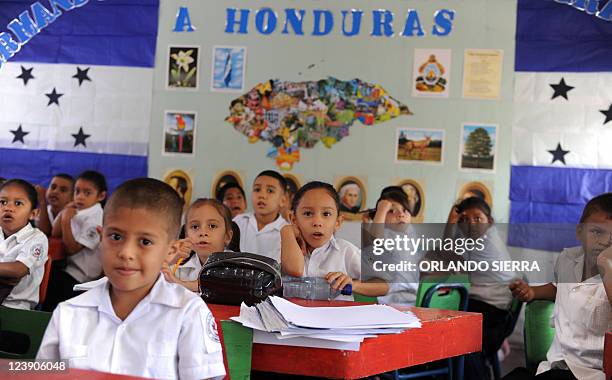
(114, 108)
(540, 122)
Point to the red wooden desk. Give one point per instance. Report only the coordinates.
(608, 355)
(443, 334)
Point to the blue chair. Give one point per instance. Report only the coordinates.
(436, 293)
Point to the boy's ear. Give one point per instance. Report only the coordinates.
(101, 196)
(172, 251)
(579, 230)
(339, 222)
(34, 214)
(229, 234)
(292, 217)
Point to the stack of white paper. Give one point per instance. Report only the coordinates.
(278, 321)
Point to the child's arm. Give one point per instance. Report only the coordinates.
(12, 272)
(371, 288)
(170, 277)
(71, 246)
(56, 229)
(292, 252)
(521, 290)
(604, 264)
(42, 222)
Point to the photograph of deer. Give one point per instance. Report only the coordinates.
(478, 147)
(419, 145)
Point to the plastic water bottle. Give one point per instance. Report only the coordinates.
(312, 288)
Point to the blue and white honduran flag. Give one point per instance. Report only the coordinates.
(562, 123)
(78, 95)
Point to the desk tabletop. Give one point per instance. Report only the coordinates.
(444, 334)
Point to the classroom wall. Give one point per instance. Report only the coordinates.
(369, 150)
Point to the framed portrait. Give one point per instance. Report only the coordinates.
(223, 178)
(183, 67)
(352, 194)
(180, 181)
(179, 133)
(416, 198)
(478, 147)
(476, 189)
(228, 68)
(420, 145)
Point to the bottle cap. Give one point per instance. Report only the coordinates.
(347, 290)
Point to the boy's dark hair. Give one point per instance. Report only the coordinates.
(474, 202)
(313, 186)
(276, 175)
(392, 194)
(96, 178)
(152, 195)
(601, 203)
(25, 186)
(65, 176)
(230, 185)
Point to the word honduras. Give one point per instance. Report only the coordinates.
(592, 7)
(323, 21)
(25, 27)
(423, 244)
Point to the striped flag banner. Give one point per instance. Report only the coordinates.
(78, 95)
(562, 120)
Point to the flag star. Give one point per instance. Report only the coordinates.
(26, 75)
(80, 137)
(607, 113)
(81, 75)
(53, 97)
(18, 135)
(561, 89)
(558, 154)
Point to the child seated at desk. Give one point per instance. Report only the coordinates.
(208, 230)
(134, 322)
(309, 248)
(583, 300)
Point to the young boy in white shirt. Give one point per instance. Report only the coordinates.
(134, 322)
(260, 230)
(583, 299)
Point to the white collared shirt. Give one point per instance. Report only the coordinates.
(29, 246)
(51, 216)
(170, 334)
(265, 242)
(190, 270)
(86, 264)
(337, 255)
(581, 317)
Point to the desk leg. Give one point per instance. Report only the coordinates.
(238, 346)
(459, 367)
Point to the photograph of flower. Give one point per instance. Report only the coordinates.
(183, 67)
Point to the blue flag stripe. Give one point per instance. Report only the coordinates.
(559, 38)
(113, 33)
(38, 166)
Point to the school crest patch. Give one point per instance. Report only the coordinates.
(211, 328)
(92, 233)
(36, 250)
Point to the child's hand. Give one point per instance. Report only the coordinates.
(384, 206)
(181, 249)
(293, 229)
(338, 280)
(69, 211)
(168, 275)
(521, 290)
(604, 261)
(453, 215)
(42, 195)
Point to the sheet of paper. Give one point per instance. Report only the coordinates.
(364, 316)
(270, 338)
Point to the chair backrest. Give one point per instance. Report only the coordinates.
(449, 292)
(27, 322)
(538, 333)
(42, 291)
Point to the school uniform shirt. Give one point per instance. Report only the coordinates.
(403, 286)
(581, 317)
(170, 334)
(491, 286)
(29, 246)
(86, 264)
(337, 255)
(50, 214)
(265, 242)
